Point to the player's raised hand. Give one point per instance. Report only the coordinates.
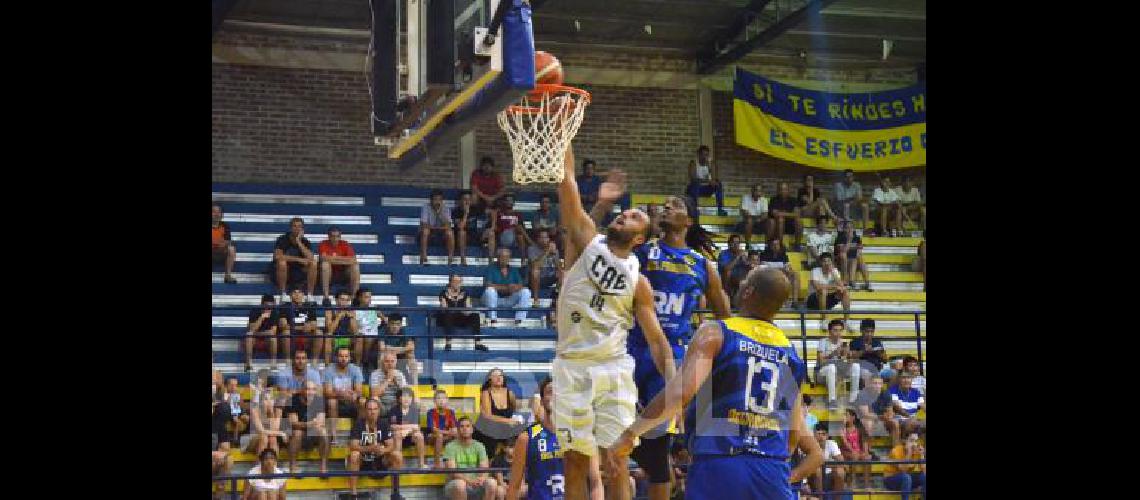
(613, 187)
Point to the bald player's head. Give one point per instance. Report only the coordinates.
(763, 292)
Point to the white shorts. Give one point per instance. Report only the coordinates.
(593, 402)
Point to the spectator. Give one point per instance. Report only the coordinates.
(785, 213)
(341, 323)
(262, 326)
(910, 201)
(737, 272)
(465, 453)
(368, 326)
(905, 403)
(545, 271)
(920, 261)
(442, 426)
(404, 418)
(588, 184)
(885, 201)
(265, 418)
(505, 287)
(917, 380)
(293, 381)
(819, 241)
(506, 229)
(371, 444)
(867, 349)
(223, 245)
(829, 478)
(872, 404)
(546, 217)
(467, 224)
(293, 259)
(338, 264)
(297, 320)
(754, 211)
(385, 383)
(486, 185)
(703, 179)
(344, 388)
(223, 465)
(907, 477)
(265, 489)
(856, 445)
(811, 201)
(404, 348)
(454, 297)
(733, 255)
(497, 405)
(848, 197)
(307, 419)
(436, 219)
(831, 363)
(682, 459)
(849, 255)
(827, 289)
(809, 418)
(775, 256)
(231, 416)
(503, 458)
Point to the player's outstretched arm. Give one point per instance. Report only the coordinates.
(608, 194)
(806, 442)
(518, 466)
(646, 315)
(718, 299)
(577, 222)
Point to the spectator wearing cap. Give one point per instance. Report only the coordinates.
(487, 185)
(849, 197)
(404, 348)
(827, 289)
(293, 259)
(589, 183)
(223, 246)
(338, 264)
(703, 179)
(436, 219)
(262, 327)
(754, 212)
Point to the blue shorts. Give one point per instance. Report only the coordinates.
(746, 476)
(649, 381)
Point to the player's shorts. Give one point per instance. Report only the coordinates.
(740, 476)
(596, 402)
(652, 454)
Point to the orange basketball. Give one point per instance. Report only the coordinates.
(547, 69)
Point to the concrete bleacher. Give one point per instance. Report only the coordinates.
(381, 222)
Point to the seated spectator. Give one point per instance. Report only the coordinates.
(467, 224)
(775, 256)
(436, 219)
(442, 426)
(504, 458)
(785, 213)
(871, 404)
(454, 297)
(341, 323)
(545, 268)
(917, 380)
(681, 462)
(486, 185)
(292, 381)
(867, 350)
(262, 327)
(307, 419)
(588, 184)
(385, 383)
(546, 217)
(910, 202)
(223, 465)
(885, 201)
(371, 444)
(497, 405)
(848, 197)
(734, 254)
(827, 289)
(831, 363)
(906, 401)
(907, 477)
(465, 453)
(829, 478)
(856, 445)
(231, 416)
(338, 264)
(754, 211)
(404, 347)
(505, 287)
(368, 326)
(703, 179)
(737, 272)
(265, 489)
(404, 418)
(819, 241)
(811, 201)
(849, 255)
(298, 320)
(223, 246)
(264, 418)
(344, 388)
(507, 228)
(293, 260)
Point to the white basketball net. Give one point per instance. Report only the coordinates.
(540, 130)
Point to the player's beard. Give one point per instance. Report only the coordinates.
(615, 235)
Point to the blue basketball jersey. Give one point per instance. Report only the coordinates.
(678, 277)
(544, 465)
(746, 404)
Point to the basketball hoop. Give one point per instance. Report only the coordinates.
(540, 128)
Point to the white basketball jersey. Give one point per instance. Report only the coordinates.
(595, 306)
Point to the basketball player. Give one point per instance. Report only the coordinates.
(538, 455)
(679, 275)
(749, 414)
(601, 293)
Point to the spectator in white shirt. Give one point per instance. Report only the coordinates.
(435, 218)
(849, 255)
(819, 241)
(265, 489)
(886, 202)
(849, 196)
(836, 475)
(831, 363)
(910, 201)
(827, 289)
(754, 210)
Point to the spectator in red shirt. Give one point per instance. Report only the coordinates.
(222, 245)
(441, 424)
(338, 263)
(506, 227)
(487, 185)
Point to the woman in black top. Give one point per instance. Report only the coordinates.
(454, 297)
(496, 409)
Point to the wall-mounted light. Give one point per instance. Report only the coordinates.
(887, 46)
(649, 29)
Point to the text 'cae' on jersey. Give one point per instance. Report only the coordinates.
(544, 465)
(678, 277)
(595, 306)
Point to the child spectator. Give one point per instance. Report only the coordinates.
(829, 478)
(856, 445)
(442, 426)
